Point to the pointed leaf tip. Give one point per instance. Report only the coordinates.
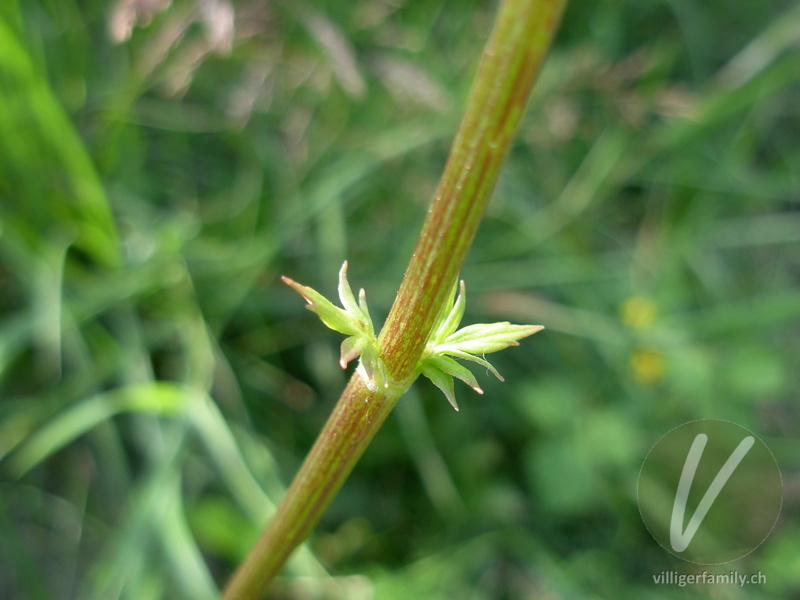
(297, 287)
(362, 305)
(441, 380)
(346, 294)
(333, 316)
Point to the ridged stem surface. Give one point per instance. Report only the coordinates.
(513, 55)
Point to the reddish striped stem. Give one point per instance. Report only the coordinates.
(516, 48)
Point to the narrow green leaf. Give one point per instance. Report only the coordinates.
(160, 398)
(488, 337)
(48, 175)
(441, 380)
(333, 316)
(362, 304)
(476, 359)
(444, 314)
(346, 293)
(451, 367)
(453, 319)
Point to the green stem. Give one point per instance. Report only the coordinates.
(517, 46)
(354, 421)
(512, 57)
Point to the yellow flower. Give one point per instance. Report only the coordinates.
(638, 312)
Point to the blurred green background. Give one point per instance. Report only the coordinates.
(162, 163)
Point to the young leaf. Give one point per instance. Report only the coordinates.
(444, 313)
(333, 316)
(345, 293)
(353, 320)
(483, 338)
(466, 343)
(453, 319)
(362, 304)
(452, 368)
(441, 380)
(476, 359)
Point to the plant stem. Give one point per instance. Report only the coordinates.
(358, 414)
(517, 46)
(516, 49)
